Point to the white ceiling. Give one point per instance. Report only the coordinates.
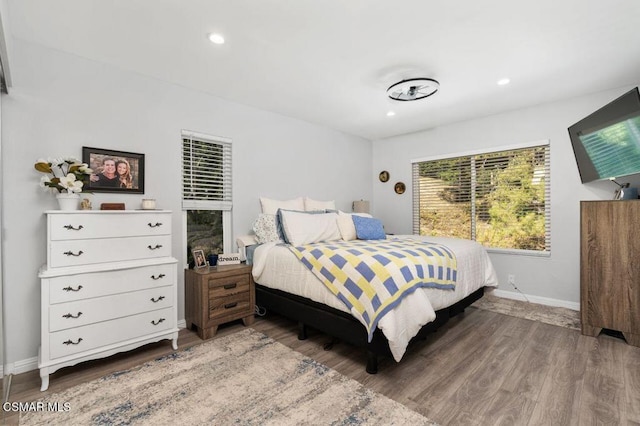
(331, 61)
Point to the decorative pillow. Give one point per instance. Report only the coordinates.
(266, 229)
(368, 228)
(302, 228)
(314, 205)
(346, 226)
(270, 206)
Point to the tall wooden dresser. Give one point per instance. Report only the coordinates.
(610, 268)
(109, 285)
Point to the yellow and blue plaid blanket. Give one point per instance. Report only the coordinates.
(371, 277)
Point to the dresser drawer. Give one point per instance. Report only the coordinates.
(83, 312)
(86, 252)
(222, 287)
(88, 337)
(80, 226)
(68, 288)
(235, 306)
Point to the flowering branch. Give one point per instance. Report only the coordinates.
(66, 175)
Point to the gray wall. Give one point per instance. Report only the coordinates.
(59, 103)
(554, 279)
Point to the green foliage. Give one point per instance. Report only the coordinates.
(509, 199)
(204, 232)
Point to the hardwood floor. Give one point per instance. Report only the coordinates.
(482, 368)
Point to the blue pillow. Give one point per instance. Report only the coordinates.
(368, 228)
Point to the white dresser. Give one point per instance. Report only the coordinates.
(109, 285)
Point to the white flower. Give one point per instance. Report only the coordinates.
(70, 183)
(44, 181)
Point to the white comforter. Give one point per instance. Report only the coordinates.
(275, 266)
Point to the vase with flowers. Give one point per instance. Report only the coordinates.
(65, 177)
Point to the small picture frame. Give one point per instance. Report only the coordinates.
(198, 259)
(114, 171)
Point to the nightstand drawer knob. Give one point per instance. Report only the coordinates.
(154, 300)
(157, 322)
(70, 253)
(70, 342)
(158, 277)
(73, 228)
(72, 289)
(230, 286)
(157, 224)
(70, 315)
(155, 248)
(230, 305)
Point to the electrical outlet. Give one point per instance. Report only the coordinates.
(512, 279)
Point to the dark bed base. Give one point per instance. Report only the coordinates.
(342, 325)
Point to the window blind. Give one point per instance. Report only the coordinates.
(206, 172)
(500, 199)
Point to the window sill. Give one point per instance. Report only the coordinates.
(532, 253)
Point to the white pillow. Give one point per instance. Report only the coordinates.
(314, 205)
(302, 228)
(270, 206)
(346, 226)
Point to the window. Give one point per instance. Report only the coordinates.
(500, 199)
(206, 193)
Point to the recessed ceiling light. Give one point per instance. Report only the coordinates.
(216, 38)
(390, 114)
(503, 81)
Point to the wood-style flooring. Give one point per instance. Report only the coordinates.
(482, 368)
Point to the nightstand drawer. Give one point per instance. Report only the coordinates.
(223, 287)
(235, 305)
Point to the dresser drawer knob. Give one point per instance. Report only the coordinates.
(69, 342)
(70, 315)
(73, 228)
(158, 277)
(70, 253)
(154, 300)
(230, 305)
(230, 286)
(157, 322)
(72, 289)
(156, 225)
(155, 248)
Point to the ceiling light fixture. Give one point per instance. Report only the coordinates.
(413, 89)
(503, 81)
(216, 38)
(390, 114)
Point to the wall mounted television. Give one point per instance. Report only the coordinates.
(606, 143)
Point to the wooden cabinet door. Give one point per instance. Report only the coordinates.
(610, 267)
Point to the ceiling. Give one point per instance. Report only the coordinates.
(330, 61)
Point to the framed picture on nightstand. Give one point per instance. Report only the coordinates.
(199, 259)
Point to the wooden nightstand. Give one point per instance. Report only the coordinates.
(216, 295)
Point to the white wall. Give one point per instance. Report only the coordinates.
(556, 277)
(59, 103)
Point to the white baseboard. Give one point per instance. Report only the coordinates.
(22, 366)
(537, 299)
(31, 364)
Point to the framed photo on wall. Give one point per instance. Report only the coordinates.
(114, 171)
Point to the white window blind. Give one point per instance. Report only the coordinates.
(206, 176)
(500, 199)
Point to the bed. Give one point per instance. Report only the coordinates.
(286, 286)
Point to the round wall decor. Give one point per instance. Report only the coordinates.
(399, 188)
(383, 176)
